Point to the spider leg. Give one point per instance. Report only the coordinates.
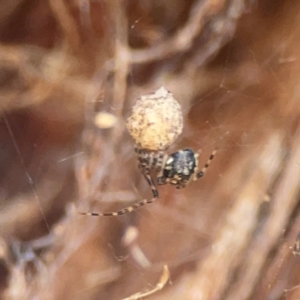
(152, 186)
(204, 169)
(131, 207)
(122, 211)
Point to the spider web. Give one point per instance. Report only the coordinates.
(234, 103)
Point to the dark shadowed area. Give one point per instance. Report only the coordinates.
(70, 72)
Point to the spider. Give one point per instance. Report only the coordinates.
(179, 169)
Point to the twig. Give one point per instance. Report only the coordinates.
(66, 22)
(121, 58)
(181, 41)
(161, 283)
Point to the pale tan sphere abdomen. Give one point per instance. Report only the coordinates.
(156, 120)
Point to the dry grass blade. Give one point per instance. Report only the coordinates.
(161, 283)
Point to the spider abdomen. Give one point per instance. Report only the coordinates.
(156, 120)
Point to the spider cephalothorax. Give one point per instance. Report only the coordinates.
(180, 168)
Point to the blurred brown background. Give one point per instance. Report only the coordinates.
(234, 67)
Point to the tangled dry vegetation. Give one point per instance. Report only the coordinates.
(233, 65)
